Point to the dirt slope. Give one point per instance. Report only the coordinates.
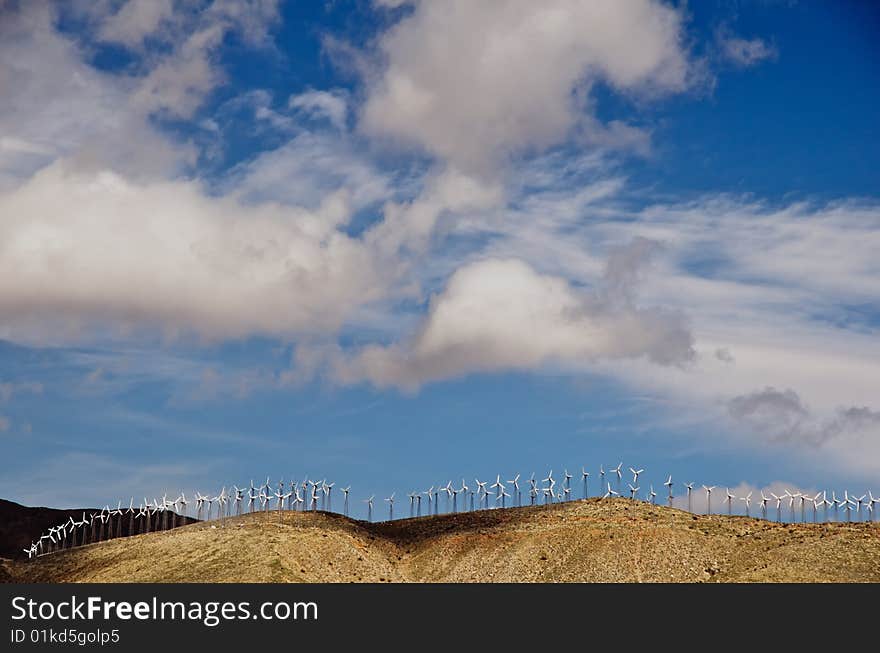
(616, 540)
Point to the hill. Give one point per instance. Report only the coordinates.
(20, 525)
(582, 541)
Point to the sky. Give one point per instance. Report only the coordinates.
(396, 243)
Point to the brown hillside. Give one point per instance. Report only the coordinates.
(583, 541)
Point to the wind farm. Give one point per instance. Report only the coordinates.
(606, 537)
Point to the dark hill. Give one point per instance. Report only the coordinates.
(20, 525)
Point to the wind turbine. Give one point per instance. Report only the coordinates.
(601, 477)
(481, 488)
(515, 483)
(690, 488)
(345, 492)
(803, 498)
(778, 506)
(454, 490)
(632, 491)
(552, 483)
(448, 490)
(369, 503)
(566, 479)
(653, 495)
(825, 504)
(609, 492)
(585, 475)
(709, 498)
(748, 501)
(412, 504)
(859, 501)
(502, 493)
(533, 489)
(499, 485)
(430, 493)
(668, 484)
(328, 492)
(791, 500)
(730, 497)
(816, 502)
(635, 473)
(390, 501)
(764, 501)
(617, 471)
(466, 492)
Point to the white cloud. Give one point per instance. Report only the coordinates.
(472, 82)
(322, 104)
(136, 20)
(92, 247)
(743, 52)
(310, 166)
(782, 416)
(64, 107)
(500, 315)
(177, 82)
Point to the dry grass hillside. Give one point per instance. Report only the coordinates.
(583, 541)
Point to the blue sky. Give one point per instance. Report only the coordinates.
(394, 244)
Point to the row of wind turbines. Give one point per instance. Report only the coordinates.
(313, 495)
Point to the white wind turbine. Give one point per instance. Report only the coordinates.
(748, 501)
(709, 498)
(635, 473)
(548, 491)
(328, 493)
(533, 489)
(653, 495)
(430, 493)
(454, 490)
(668, 484)
(481, 488)
(466, 492)
(497, 485)
(448, 490)
(778, 506)
(617, 471)
(345, 492)
(566, 479)
(859, 501)
(585, 475)
(501, 495)
(239, 499)
(825, 503)
(183, 502)
(412, 504)
(690, 488)
(609, 492)
(803, 498)
(816, 501)
(632, 491)
(764, 501)
(390, 501)
(730, 498)
(515, 483)
(791, 499)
